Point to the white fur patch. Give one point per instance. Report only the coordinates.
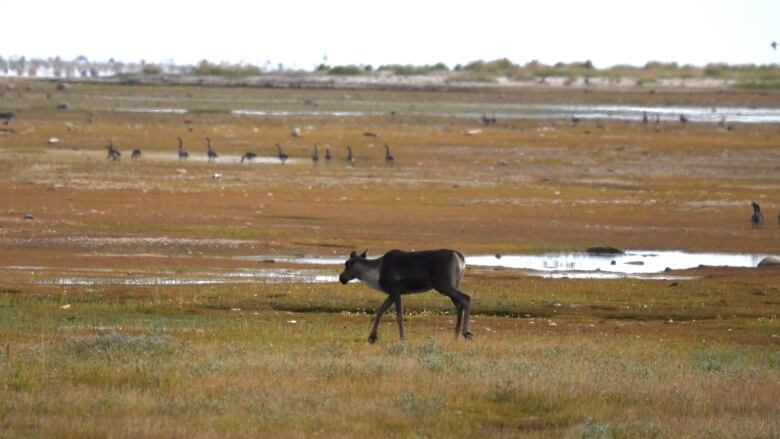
(370, 277)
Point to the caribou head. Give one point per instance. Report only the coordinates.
(352, 268)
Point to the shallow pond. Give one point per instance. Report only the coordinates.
(635, 264)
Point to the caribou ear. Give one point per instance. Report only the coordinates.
(364, 254)
(353, 254)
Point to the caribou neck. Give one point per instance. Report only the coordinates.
(369, 272)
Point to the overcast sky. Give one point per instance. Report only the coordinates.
(299, 33)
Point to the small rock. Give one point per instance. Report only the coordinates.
(62, 86)
(769, 261)
(635, 263)
(29, 216)
(63, 105)
(603, 250)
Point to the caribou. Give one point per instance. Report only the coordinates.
(399, 272)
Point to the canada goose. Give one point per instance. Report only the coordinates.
(112, 153)
(328, 157)
(282, 156)
(248, 156)
(212, 155)
(757, 219)
(389, 159)
(183, 155)
(315, 157)
(350, 157)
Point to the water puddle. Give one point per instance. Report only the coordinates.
(642, 264)
(152, 110)
(532, 111)
(86, 277)
(636, 264)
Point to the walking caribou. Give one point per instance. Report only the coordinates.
(399, 272)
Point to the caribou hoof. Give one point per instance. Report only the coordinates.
(468, 335)
(372, 338)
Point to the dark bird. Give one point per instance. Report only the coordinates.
(282, 156)
(112, 153)
(183, 155)
(328, 157)
(350, 157)
(136, 154)
(6, 117)
(683, 119)
(248, 156)
(644, 117)
(212, 155)
(489, 120)
(774, 45)
(575, 120)
(389, 159)
(315, 157)
(657, 119)
(757, 219)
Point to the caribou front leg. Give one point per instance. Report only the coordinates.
(399, 315)
(385, 305)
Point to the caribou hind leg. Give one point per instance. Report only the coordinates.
(459, 311)
(462, 302)
(382, 309)
(466, 300)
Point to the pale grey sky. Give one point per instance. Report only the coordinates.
(299, 33)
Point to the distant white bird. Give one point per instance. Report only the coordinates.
(216, 176)
(53, 140)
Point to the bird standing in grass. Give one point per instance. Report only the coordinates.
(183, 155)
(757, 219)
(136, 154)
(350, 157)
(212, 155)
(113, 153)
(315, 157)
(281, 155)
(328, 157)
(248, 156)
(389, 159)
